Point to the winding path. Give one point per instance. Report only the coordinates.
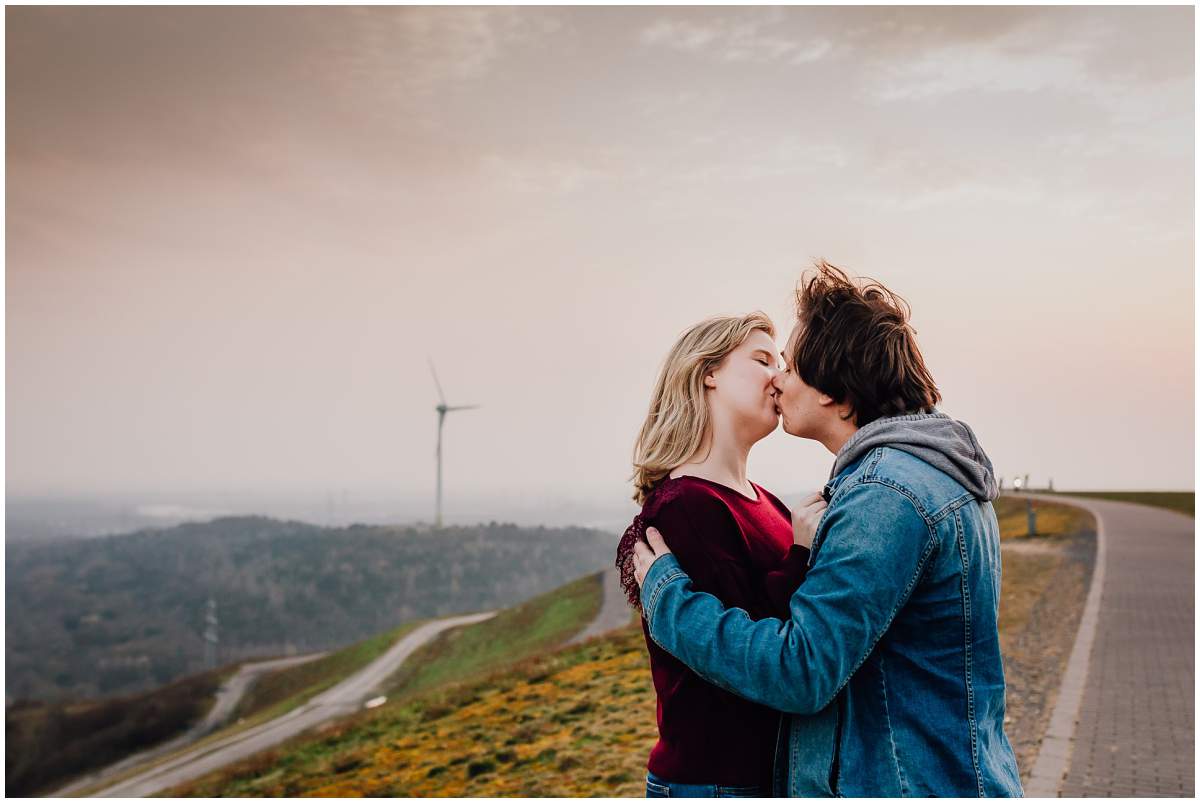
(227, 698)
(1124, 721)
(340, 700)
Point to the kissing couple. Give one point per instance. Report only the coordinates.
(848, 647)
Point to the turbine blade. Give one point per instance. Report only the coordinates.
(432, 370)
(463, 407)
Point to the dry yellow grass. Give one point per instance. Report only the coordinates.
(1052, 519)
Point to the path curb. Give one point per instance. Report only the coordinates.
(1054, 756)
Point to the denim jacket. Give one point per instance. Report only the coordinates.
(890, 663)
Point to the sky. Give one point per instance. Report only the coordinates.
(235, 236)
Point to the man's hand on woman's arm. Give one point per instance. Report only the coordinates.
(644, 555)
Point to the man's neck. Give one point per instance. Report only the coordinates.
(835, 438)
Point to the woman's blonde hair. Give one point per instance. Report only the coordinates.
(678, 419)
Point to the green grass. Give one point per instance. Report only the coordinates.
(541, 623)
(1179, 501)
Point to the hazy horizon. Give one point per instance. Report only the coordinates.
(236, 234)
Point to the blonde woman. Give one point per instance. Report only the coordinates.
(714, 399)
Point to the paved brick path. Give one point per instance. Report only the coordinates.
(1135, 730)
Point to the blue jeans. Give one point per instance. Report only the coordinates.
(657, 787)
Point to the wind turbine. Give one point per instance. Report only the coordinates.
(442, 409)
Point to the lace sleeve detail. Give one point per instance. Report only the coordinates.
(659, 496)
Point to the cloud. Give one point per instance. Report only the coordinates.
(422, 48)
(1082, 51)
(963, 68)
(752, 39)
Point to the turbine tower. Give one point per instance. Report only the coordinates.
(442, 409)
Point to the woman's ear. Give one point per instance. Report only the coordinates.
(710, 381)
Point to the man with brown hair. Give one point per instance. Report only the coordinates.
(889, 664)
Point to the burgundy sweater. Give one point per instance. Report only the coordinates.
(741, 551)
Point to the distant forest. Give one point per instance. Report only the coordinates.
(124, 613)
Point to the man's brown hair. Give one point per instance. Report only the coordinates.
(855, 345)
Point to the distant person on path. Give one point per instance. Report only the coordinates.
(888, 659)
(714, 399)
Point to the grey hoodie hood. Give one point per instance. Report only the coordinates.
(945, 443)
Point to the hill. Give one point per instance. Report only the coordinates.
(123, 614)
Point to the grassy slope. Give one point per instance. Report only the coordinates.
(272, 695)
(577, 721)
(515, 633)
(1179, 501)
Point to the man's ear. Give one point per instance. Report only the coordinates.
(843, 408)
